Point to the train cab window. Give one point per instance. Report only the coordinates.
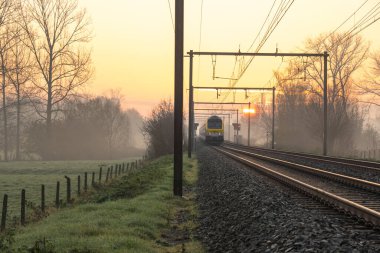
(214, 124)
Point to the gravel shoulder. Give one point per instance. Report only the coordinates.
(243, 211)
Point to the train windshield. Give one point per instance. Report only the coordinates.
(214, 124)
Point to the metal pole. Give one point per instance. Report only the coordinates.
(178, 97)
(249, 123)
(273, 111)
(325, 103)
(223, 124)
(237, 126)
(191, 119)
(229, 127)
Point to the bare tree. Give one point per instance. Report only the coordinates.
(293, 118)
(7, 10)
(19, 75)
(115, 121)
(57, 32)
(371, 86)
(345, 57)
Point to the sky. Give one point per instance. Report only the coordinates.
(133, 44)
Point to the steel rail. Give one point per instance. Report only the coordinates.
(360, 183)
(368, 165)
(338, 202)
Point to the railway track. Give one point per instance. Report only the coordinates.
(357, 197)
(349, 167)
(358, 164)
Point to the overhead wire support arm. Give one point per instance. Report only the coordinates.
(209, 114)
(259, 54)
(225, 78)
(221, 103)
(230, 88)
(214, 109)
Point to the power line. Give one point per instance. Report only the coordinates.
(282, 9)
(361, 22)
(274, 23)
(171, 14)
(364, 22)
(278, 68)
(349, 17)
(200, 27)
(367, 17)
(262, 26)
(200, 39)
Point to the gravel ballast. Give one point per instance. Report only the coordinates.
(243, 211)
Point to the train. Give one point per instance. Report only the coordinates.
(212, 132)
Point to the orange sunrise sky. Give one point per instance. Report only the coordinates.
(133, 45)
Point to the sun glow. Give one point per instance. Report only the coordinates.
(249, 110)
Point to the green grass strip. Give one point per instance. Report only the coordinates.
(129, 216)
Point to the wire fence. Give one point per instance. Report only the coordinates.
(63, 194)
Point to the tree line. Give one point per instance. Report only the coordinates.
(353, 83)
(45, 62)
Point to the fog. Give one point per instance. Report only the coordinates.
(84, 128)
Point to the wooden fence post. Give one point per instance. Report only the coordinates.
(4, 213)
(100, 175)
(85, 181)
(42, 198)
(93, 179)
(119, 169)
(57, 196)
(108, 173)
(111, 172)
(78, 191)
(23, 204)
(68, 189)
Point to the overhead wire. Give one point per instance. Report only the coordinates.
(200, 40)
(268, 83)
(262, 26)
(171, 15)
(282, 9)
(353, 14)
(368, 19)
(275, 21)
(350, 34)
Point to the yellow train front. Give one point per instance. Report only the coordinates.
(212, 132)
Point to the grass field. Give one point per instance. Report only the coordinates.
(15, 176)
(131, 215)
